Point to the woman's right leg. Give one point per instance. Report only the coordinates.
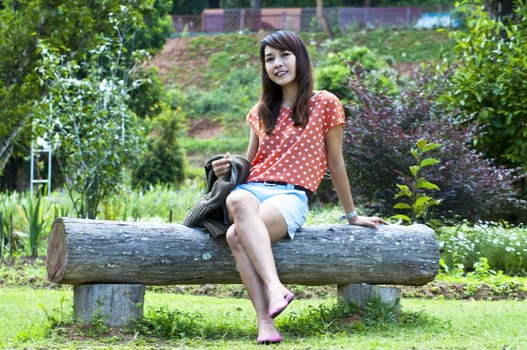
(267, 330)
(255, 227)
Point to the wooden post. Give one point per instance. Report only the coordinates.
(116, 304)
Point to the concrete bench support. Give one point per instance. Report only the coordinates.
(116, 304)
(362, 293)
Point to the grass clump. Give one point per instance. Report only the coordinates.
(327, 318)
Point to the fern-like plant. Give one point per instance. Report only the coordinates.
(417, 201)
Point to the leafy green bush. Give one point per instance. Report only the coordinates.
(164, 160)
(333, 71)
(489, 83)
(382, 129)
(503, 248)
(147, 93)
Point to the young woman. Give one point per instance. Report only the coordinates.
(296, 133)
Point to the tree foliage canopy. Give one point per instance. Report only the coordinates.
(85, 117)
(73, 28)
(489, 82)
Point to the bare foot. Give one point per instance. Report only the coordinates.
(279, 305)
(267, 333)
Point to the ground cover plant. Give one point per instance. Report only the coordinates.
(485, 248)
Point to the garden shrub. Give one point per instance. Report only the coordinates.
(489, 84)
(382, 129)
(164, 159)
(334, 68)
(147, 93)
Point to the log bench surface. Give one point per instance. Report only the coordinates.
(82, 251)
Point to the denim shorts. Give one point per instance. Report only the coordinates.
(292, 203)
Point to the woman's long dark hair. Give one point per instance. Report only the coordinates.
(271, 98)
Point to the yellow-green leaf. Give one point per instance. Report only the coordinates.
(422, 183)
(430, 146)
(402, 206)
(402, 217)
(429, 161)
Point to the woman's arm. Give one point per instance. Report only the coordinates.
(252, 148)
(337, 168)
(340, 180)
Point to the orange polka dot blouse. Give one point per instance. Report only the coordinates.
(296, 154)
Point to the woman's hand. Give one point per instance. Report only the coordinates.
(222, 166)
(368, 221)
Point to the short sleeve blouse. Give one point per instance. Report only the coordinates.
(296, 154)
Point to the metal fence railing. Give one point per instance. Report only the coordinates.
(300, 19)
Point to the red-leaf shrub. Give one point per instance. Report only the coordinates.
(381, 129)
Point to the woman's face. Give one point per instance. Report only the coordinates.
(280, 65)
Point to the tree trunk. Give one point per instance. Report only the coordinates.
(214, 4)
(84, 251)
(322, 20)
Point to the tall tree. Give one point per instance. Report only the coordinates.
(17, 55)
(93, 130)
(74, 27)
(214, 4)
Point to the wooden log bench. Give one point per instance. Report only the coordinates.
(109, 263)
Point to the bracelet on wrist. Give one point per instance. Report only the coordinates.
(349, 215)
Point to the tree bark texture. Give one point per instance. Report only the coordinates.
(322, 19)
(84, 251)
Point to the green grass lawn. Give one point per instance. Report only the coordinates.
(441, 324)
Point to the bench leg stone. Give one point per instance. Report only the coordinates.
(361, 293)
(116, 304)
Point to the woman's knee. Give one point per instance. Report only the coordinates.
(239, 201)
(234, 199)
(231, 236)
